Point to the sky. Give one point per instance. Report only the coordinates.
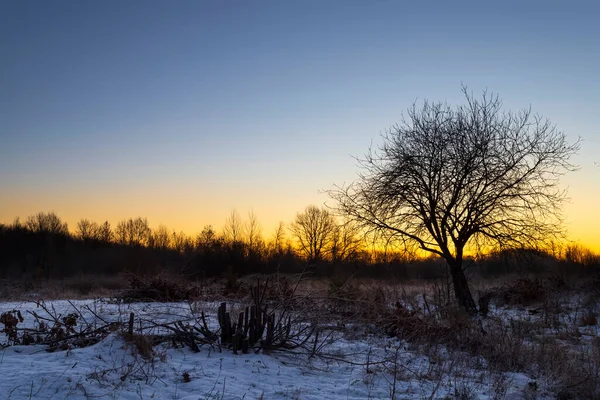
(184, 111)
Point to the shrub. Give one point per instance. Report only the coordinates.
(157, 288)
(524, 292)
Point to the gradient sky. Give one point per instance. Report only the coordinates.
(183, 111)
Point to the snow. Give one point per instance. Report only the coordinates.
(355, 365)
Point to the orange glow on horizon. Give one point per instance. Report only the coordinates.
(189, 208)
(192, 223)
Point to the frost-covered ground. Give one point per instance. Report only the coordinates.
(356, 365)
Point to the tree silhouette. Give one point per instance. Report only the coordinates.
(87, 230)
(133, 232)
(46, 223)
(276, 245)
(312, 230)
(234, 228)
(160, 238)
(105, 233)
(446, 178)
(346, 242)
(254, 234)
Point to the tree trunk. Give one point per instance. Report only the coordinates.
(461, 288)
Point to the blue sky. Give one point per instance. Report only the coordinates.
(182, 111)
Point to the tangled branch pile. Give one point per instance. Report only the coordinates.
(58, 332)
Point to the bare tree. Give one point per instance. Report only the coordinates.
(181, 243)
(206, 239)
(476, 176)
(346, 242)
(312, 230)
(160, 238)
(254, 237)
(87, 230)
(133, 232)
(46, 223)
(234, 228)
(276, 244)
(105, 233)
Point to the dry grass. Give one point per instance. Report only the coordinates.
(534, 325)
(74, 288)
(535, 332)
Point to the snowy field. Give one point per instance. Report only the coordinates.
(350, 364)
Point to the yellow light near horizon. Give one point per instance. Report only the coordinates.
(190, 209)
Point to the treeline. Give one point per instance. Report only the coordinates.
(43, 247)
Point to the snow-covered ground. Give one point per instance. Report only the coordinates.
(355, 365)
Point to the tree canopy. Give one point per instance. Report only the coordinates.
(475, 175)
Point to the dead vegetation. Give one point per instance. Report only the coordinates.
(532, 326)
(161, 288)
(546, 328)
(270, 322)
(54, 330)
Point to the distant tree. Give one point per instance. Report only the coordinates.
(474, 175)
(160, 238)
(211, 250)
(87, 230)
(277, 243)
(312, 230)
(105, 233)
(121, 233)
(253, 233)
(234, 228)
(207, 238)
(181, 243)
(49, 247)
(346, 242)
(133, 232)
(46, 223)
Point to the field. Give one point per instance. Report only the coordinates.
(349, 340)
